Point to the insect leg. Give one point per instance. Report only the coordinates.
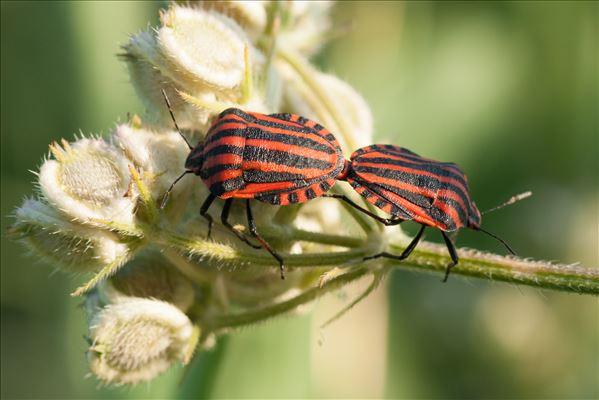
(224, 219)
(406, 253)
(452, 252)
(384, 221)
(204, 212)
(265, 245)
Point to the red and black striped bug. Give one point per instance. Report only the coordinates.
(413, 188)
(279, 159)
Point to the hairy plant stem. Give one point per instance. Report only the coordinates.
(294, 234)
(242, 258)
(427, 257)
(477, 264)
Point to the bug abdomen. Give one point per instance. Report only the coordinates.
(279, 158)
(431, 192)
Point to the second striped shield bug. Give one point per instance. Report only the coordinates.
(412, 188)
(279, 159)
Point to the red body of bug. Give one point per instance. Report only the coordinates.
(413, 188)
(278, 159)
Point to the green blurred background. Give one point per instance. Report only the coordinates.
(508, 90)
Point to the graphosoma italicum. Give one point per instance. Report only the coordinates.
(414, 188)
(279, 159)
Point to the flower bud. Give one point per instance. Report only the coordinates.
(147, 72)
(66, 245)
(345, 100)
(160, 157)
(323, 215)
(148, 276)
(134, 341)
(205, 49)
(87, 181)
(309, 22)
(250, 15)
(352, 106)
(197, 54)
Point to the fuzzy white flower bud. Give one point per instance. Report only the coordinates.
(309, 23)
(351, 105)
(87, 181)
(202, 59)
(160, 156)
(148, 276)
(347, 102)
(251, 15)
(67, 245)
(134, 341)
(146, 73)
(205, 49)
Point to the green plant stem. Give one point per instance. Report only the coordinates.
(226, 254)
(477, 264)
(427, 257)
(314, 237)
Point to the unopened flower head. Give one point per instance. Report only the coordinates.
(134, 341)
(160, 156)
(148, 276)
(149, 76)
(250, 15)
(206, 49)
(67, 245)
(202, 59)
(356, 128)
(352, 106)
(308, 22)
(87, 180)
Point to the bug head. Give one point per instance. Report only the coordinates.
(474, 217)
(195, 159)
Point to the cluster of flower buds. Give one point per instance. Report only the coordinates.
(161, 289)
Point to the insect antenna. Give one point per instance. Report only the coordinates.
(170, 189)
(507, 246)
(511, 200)
(170, 110)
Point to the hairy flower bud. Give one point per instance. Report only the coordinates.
(250, 15)
(344, 100)
(308, 24)
(206, 49)
(148, 74)
(135, 340)
(160, 157)
(203, 60)
(148, 276)
(67, 245)
(87, 181)
(352, 106)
